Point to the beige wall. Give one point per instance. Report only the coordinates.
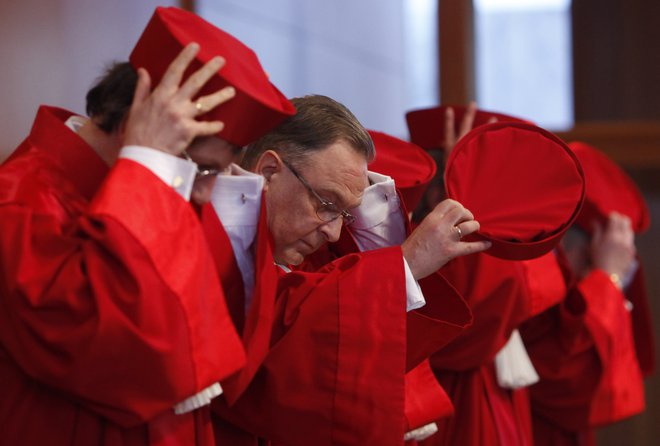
(52, 50)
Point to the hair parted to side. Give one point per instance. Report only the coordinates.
(319, 122)
(109, 100)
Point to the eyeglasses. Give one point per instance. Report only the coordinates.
(327, 211)
(202, 171)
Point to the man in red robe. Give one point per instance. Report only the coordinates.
(485, 370)
(328, 348)
(113, 326)
(593, 349)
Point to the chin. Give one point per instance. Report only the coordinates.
(295, 259)
(288, 258)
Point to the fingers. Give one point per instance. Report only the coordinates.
(453, 212)
(466, 248)
(209, 102)
(468, 119)
(143, 87)
(174, 73)
(450, 133)
(468, 227)
(206, 128)
(199, 78)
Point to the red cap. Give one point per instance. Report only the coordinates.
(408, 164)
(608, 189)
(258, 105)
(427, 126)
(522, 183)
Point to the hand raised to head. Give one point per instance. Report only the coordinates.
(437, 239)
(164, 119)
(613, 247)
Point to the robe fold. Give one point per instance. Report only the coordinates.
(110, 308)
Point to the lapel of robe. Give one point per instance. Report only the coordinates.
(259, 319)
(225, 262)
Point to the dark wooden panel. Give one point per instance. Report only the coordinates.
(456, 46)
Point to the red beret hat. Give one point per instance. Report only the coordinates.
(608, 189)
(408, 164)
(258, 105)
(427, 126)
(522, 183)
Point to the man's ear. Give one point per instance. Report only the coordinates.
(269, 164)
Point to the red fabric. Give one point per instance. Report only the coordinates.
(332, 376)
(408, 164)
(608, 189)
(427, 126)
(496, 293)
(425, 399)
(437, 323)
(620, 392)
(260, 318)
(485, 414)
(568, 366)
(257, 101)
(109, 311)
(584, 353)
(642, 325)
(538, 193)
(545, 282)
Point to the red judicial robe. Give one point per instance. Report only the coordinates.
(502, 294)
(327, 348)
(585, 353)
(110, 309)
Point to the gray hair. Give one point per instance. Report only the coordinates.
(318, 123)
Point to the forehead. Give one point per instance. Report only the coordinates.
(338, 173)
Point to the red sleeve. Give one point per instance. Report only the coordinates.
(584, 353)
(335, 370)
(563, 355)
(545, 282)
(620, 392)
(437, 323)
(425, 401)
(119, 308)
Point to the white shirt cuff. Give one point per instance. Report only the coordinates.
(198, 400)
(513, 367)
(414, 296)
(174, 171)
(421, 433)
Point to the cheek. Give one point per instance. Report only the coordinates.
(289, 221)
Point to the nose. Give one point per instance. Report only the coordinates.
(202, 189)
(331, 229)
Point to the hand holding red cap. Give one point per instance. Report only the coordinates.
(164, 119)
